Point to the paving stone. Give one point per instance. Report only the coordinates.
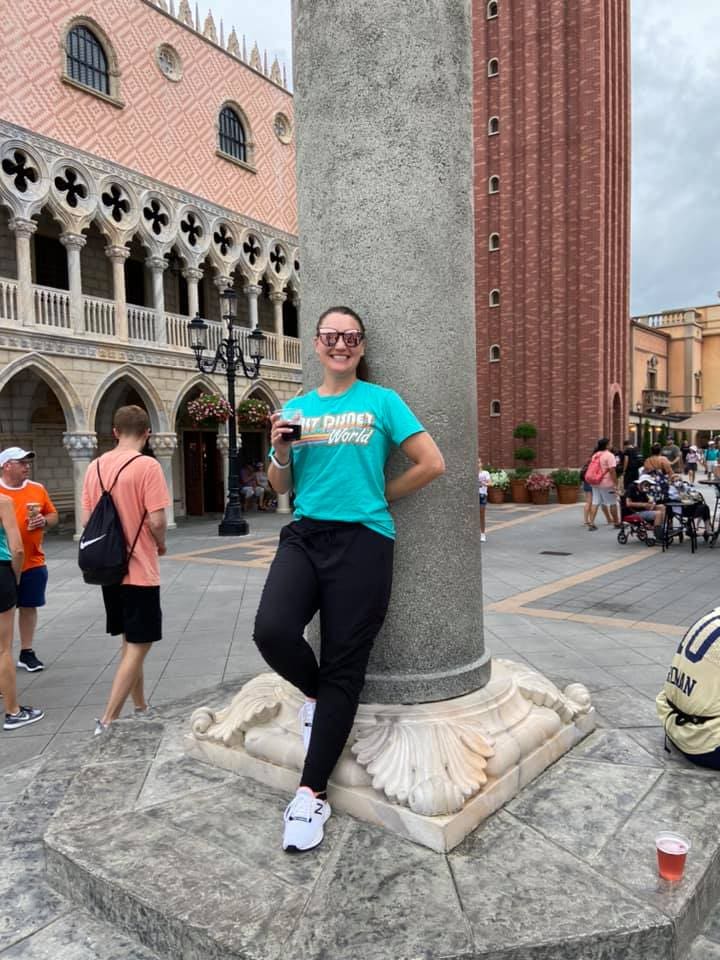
(581, 805)
(408, 907)
(704, 949)
(77, 936)
(30, 905)
(615, 747)
(622, 706)
(561, 907)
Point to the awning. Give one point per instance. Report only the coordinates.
(707, 420)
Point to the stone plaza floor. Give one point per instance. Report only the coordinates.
(573, 604)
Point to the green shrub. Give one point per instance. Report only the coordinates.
(525, 431)
(525, 453)
(522, 473)
(566, 477)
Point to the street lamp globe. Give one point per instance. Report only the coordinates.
(228, 301)
(256, 343)
(198, 335)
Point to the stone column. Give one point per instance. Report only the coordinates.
(24, 229)
(81, 449)
(73, 243)
(118, 254)
(164, 446)
(253, 291)
(278, 298)
(193, 276)
(157, 266)
(420, 340)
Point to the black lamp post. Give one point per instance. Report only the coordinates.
(227, 356)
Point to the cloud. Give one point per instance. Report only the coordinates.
(676, 139)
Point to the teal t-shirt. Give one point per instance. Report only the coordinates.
(4, 549)
(339, 462)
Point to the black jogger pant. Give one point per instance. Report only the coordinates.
(344, 570)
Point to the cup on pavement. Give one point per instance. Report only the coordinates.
(672, 850)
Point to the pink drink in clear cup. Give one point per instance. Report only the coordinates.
(672, 850)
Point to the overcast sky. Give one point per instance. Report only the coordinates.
(676, 140)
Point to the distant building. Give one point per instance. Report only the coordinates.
(675, 367)
(146, 164)
(552, 174)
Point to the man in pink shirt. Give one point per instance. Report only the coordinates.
(132, 608)
(604, 491)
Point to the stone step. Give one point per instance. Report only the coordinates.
(186, 859)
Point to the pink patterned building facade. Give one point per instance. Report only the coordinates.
(147, 165)
(165, 127)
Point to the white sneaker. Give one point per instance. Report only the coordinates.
(100, 728)
(483, 538)
(143, 714)
(306, 717)
(305, 817)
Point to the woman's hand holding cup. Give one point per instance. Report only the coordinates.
(285, 427)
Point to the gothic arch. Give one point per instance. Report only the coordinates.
(199, 380)
(61, 386)
(266, 393)
(146, 389)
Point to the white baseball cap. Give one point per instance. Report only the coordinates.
(15, 453)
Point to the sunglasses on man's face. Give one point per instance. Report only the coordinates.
(351, 338)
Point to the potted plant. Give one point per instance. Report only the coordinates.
(568, 484)
(539, 486)
(518, 488)
(209, 409)
(523, 431)
(253, 413)
(500, 483)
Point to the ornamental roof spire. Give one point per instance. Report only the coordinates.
(209, 30)
(233, 46)
(185, 13)
(255, 61)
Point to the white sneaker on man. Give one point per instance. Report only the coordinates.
(305, 816)
(306, 717)
(483, 538)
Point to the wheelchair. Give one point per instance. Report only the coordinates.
(633, 525)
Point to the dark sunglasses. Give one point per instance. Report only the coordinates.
(351, 338)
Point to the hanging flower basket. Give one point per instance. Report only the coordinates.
(209, 409)
(253, 413)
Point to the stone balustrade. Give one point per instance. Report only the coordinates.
(52, 310)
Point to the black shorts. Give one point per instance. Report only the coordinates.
(8, 587)
(134, 612)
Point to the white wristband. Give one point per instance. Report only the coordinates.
(280, 466)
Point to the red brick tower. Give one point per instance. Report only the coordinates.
(552, 192)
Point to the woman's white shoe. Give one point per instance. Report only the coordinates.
(305, 817)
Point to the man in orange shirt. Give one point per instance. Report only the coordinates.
(132, 607)
(35, 514)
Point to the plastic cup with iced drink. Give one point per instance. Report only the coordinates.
(672, 851)
(33, 509)
(293, 419)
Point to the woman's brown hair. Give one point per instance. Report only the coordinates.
(362, 371)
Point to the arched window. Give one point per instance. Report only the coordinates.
(494, 298)
(493, 126)
(86, 61)
(494, 185)
(494, 241)
(232, 138)
(494, 353)
(493, 67)
(492, 10)
(494, 408)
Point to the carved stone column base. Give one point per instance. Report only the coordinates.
(429, 772)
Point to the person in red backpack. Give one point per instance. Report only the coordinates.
(602, 476)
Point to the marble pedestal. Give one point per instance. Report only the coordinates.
(429, 772)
